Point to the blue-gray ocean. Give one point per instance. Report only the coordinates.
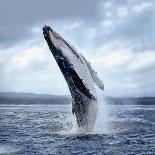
(51, 130)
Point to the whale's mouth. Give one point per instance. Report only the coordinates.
(54, 40)
(70, 62)
(51, 32)
(46, 30)
(57, 43)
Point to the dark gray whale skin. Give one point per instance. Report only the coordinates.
(84, 102)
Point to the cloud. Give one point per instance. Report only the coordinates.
(117, 37)
(32, 69)
(107, 5)
(143, 62)
(135, 30)
(124, 72)
(107, 23)
(122, 12)
(16, 23)
(141, 7)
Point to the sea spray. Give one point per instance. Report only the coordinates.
(103, 120)
(69, 124)
(102, 125)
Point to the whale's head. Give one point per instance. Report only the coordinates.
(61, 50)
(53, 38)
(57, 44)
(70, 63)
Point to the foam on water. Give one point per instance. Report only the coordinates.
(29, 135)
(7, 149)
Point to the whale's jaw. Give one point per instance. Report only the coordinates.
(77, 76)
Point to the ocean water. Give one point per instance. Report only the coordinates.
(51, 130)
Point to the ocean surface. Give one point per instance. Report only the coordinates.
(51, 130)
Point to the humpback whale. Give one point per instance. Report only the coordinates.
(80, 78)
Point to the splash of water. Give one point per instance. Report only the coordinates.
(102, 125)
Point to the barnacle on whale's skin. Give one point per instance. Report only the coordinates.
(79, 75)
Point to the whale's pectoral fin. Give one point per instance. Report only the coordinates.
(95, 78)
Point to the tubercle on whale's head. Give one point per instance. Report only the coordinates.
(48, 30)
(46, 33)
(57, 46)
(54, 40)
(60, 48)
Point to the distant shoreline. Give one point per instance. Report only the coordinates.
(31, 98)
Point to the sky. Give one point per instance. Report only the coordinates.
(116, 36)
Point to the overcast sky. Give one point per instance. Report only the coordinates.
(117, 37)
